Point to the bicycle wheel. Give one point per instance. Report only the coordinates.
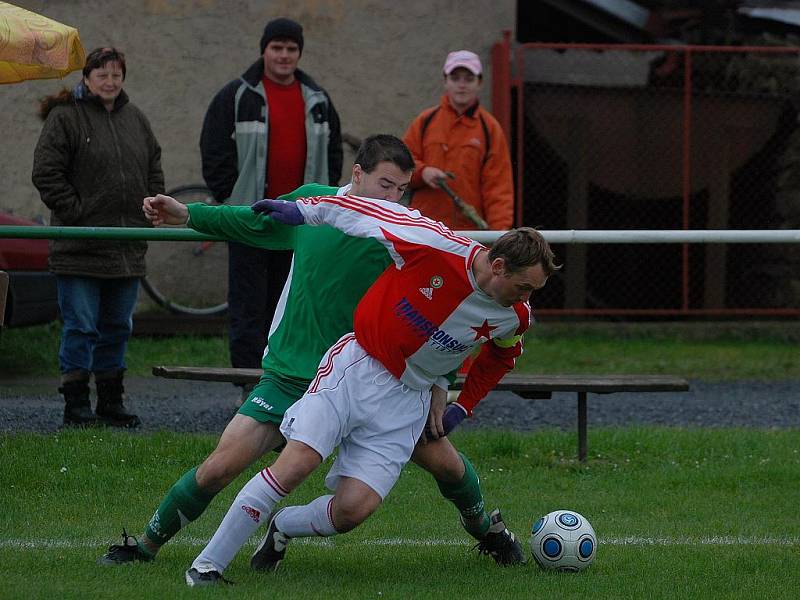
(188, 278)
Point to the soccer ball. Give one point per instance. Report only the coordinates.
(563, 540)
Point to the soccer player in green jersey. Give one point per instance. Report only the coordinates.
(329, 275)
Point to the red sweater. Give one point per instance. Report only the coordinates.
(286, 152)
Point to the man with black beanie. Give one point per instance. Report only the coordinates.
(264, 135)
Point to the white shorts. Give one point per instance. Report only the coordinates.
(356, 404)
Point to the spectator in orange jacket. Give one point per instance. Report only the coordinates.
(461, 138)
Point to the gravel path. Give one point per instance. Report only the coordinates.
(34, 405)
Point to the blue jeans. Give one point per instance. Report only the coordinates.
(98, 320)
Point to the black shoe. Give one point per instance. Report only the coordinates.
(115, 415)
(500, 543)
(195, 578)
(110, 407)
(79, 416)
(271, 550)
(127, 552)
(77, 408)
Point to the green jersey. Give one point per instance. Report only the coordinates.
(330, 273)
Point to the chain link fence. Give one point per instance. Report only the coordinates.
(661, 138)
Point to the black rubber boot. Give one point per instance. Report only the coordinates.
(77, 408)
(110, 395)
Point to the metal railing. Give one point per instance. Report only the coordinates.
(648, 137)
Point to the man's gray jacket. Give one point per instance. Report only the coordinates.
(235, 137)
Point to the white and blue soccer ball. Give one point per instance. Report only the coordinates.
(563, 540)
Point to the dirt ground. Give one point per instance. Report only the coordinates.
(33, 404)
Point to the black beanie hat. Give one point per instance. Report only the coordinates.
(282, 29)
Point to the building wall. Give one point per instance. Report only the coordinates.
(380, 60)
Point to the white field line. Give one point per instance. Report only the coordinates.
(44, 543)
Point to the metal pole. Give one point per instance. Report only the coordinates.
(103, 233)
(566, 236)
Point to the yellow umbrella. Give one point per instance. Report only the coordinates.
(35, 47)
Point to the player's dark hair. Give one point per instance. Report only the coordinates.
(524, 247)
(383, 148)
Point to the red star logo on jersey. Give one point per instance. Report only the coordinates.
(484, 331)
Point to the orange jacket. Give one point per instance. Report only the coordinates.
(458, 144)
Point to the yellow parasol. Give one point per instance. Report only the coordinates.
(35, 47)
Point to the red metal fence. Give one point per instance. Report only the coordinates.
(657, 137)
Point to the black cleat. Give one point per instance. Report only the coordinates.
(127, 552)
(271, 550)
(500, 543)
(195, 578)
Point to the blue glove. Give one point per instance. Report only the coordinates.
(453, 415)
(283, 211)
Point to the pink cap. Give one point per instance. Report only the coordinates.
(462, 58)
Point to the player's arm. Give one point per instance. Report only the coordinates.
(497, 357)
(236, 223)
(240, 224)
(401, 230)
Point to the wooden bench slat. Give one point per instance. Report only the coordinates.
(516, 382)
(228, 375)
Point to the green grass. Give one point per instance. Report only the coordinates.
(697, 506)
(34, 351)
(691, 350)
(713, 360)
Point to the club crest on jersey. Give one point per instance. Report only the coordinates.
(437, 281)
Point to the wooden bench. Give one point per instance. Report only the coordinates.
(527, 386)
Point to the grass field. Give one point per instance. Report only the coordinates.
(679, 514)
(695, 351)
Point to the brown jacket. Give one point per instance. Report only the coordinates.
(92, 168)
(482, 170)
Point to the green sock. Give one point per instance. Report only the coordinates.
(466, 495)
(184, 502)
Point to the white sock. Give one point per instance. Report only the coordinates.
(252, 506)
(313, 519)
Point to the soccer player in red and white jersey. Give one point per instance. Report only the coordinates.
(445, 295)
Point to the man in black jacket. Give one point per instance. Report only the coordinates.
(264, 135)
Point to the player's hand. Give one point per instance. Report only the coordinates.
(435, 428)
(453, 415)
(283, 211)
(432, 176)
(164, 210)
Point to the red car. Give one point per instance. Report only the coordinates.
(32, 296)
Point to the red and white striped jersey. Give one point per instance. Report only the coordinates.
(424, 316)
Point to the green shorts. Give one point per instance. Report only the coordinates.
(273, 395)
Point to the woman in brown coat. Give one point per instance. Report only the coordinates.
(95, 161)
